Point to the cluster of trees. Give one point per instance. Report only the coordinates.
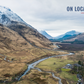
(78, 69)
(54, 40)
(74, 42)
(78, 42)
(80, 63)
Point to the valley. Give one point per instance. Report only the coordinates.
(31, 57)
(19, 64)
(54, 65)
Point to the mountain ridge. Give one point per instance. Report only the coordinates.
(67, 35)
(7, 17)
(78, 38)
(26, 32)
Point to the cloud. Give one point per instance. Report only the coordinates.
(49, 15)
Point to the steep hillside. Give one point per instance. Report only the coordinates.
(24, 30)
(11, 40)
(21, 37)
(7, 17)
(32, 36)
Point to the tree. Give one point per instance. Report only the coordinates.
(79, 62)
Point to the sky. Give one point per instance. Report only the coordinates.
(49, 15)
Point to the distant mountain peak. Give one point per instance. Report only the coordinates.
(7, 17)
(72, 32)
(67, 35)
(4, 9)
(45, 34)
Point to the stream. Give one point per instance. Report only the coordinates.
(32, 66)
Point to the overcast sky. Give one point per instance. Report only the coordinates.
(49, 15)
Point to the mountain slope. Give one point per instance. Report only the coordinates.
(68, 35)
(24, 30)
(30, 35)
(79, 37)
(7, 17)
(73, 32)
(46, 34)
(60, 36)
(11, 40)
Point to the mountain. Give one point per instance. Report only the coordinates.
(7, 17)
(68, 35)
(32, 36)
(73, 32)
(77, 39)
(60, 36)
(21, 32)
(46, 34)
(11, 40)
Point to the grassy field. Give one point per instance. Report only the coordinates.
(20, 59)
(56, 64)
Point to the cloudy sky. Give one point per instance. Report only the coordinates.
(49, 15)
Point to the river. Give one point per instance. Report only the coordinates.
(32, 66)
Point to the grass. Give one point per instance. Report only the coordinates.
(9, 70)
(30, 54)
(62, 69)
(56, 64)
(68, 76)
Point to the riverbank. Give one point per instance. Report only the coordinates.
(31, 66)
(47, 55)
(20, 59)
(55, 64)
(64, 73)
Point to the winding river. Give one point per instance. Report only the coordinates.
(32, 66)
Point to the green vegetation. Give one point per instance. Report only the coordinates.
(54, 40)
(56, 64)
(79, 62)
(62, 69)
(69, 76)
(78, 41)
(78, 69)
(74, 42)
